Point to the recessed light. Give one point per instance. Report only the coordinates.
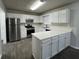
(36, 5)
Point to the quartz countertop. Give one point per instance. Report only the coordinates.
(47, 34)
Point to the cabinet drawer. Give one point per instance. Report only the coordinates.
(55, 37)
(48, 40)
(61, 36)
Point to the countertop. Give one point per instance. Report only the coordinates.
(47, 34)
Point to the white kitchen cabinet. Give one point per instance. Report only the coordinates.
(61, 42)
(41, 49)
(36, 48)
(23, 31)
(64, 16)
(54, 17)
(60, 16)
(36, 19)
(46, 19)
(22, 21)
(68, 37)
(23, 18)
(54, 45)
(41, 19)
(46, 49)
(49, 47)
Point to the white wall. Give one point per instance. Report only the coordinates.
(2, 26)
(3, 23)
(74, 23)
(0, 40)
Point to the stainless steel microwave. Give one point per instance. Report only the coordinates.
(29, 21)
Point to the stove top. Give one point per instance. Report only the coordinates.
(29, 26)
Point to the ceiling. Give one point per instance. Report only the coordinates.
(24, 5)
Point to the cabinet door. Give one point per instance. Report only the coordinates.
(68, 37)
(54, 17)
(41, 19)
(23, 31)
(54, 46)
(23, 19)
(61, 42)
(46, 19)
(63, 16)
(36, 19)
(46, 49)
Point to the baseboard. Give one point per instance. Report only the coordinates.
(0, 56)
(75, 47)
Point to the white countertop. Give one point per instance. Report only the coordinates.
(47, 34)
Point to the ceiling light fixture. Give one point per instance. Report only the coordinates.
(36, 5)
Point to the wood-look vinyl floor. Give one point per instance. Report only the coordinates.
(23, 50)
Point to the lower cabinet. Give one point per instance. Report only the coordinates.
(46, 51)
(54, 45)
(68, 37)
(61, 42)
(47, 48)
(23, 31)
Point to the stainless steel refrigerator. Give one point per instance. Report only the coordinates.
(13, 29)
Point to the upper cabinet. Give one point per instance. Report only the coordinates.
(60, 16)
(64, 16)
(41, 19)
(23, 19)
(46, 19)
(54, 17)
(36, 19)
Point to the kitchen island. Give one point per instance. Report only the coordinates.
(49, 43)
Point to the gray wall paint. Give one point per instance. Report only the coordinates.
(2, 26)
(3, 21)
(74, 23)
(0, 39)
